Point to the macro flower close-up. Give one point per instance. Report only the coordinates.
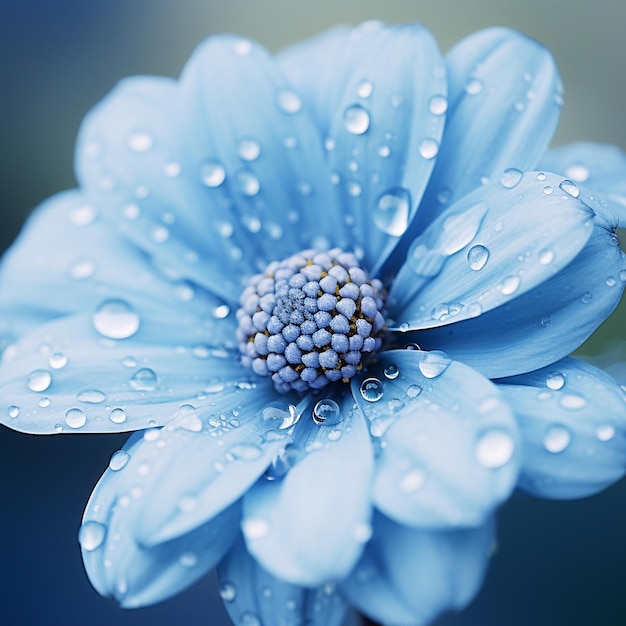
(334, 293)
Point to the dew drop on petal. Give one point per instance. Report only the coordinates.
(511, 177)
(391, 371)
(546, 256)
(438, 105)
(570, 188)
(119, 460)
(572, 402)
(91, 535)
(140, 142)
(433, 364)
(605, 432)
(494, 449)
(14, 411)
(474, 87)
(371, 389)
(557, 439)
(548, 190)
(75, 418)
(555, 381)
(289, 102)
(510, 285)
(117, 416)
(428, 148)
(477, 257)
(91, 396)
(327, 412)
(255, 528)
(356, 119)
(391, 214)
(247, 183)
(116, 319)
(248, 149)
(144, 379)
(412, 480)
(212, 174)
(413, 391)
(39, 380)
(228, 592)
(58, 361)
(365, 88)
(285, 414)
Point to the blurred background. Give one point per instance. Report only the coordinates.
(557, 564)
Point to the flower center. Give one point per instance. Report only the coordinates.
(310, 320)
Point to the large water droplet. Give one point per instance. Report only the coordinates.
(494, 449)
(248, 149)
(557, 439)
(356, 119)
(286, 415)
(212, 174)
(438, 105)
(75, 418)
(510, 285)
(555, 381)
(289, 102)
(428, 148)
(247, 183)
(39, 380)
(477, 257)
(473, 87)
(391, 371)
(546, 256)
(570, 188)
(605, 432)
(144, 379)
(327, 412)
(117, 416)
(511, 177)
(91, 396)
(91, 535)
(372, 389)
(228, 592)
(14, 411)
(119, 460)
(58, 361)
(116, 319)
(434, 364)
(391, 213)
(365, 88)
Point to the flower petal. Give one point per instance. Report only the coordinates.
(490, 247)
(310, 526)
(69, 259)
(67, 376)
(251, 592)
(546, 323)
(573, 422)
(449, 443)
(409, 576)
(595, 166)
(118, 564)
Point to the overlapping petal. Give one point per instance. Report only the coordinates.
(250, 592)
(450, 447)
(409, 576)
(488, 248)
(309, 527)
(572, 417)
(118, 563)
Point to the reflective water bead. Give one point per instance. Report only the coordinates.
(391, 213)
(82, 270)
(91, 396)
(140, 142)
(434, 364)
(286, 414)
(510, 285)
(494, 449)
(327, 412)
(356, 119)
(412, 480)
(365, 88)
(428, 148)
(117, 416)
(57, 360)
(75, 418)
(391, 371)
(605, 432)
(188, 559)
(39, 380)
(144, 379)
(546, 256)
(228, 592)
(119, 460)
(372, 389)
(511, 177)
(248, 149)
(557, 439)
(570, 188)
(212, 174)
(572, 402)
(438, 105)
(91, 535)
(14, 411)
(172, 170)
(289, 102)
(44, 402)
(477, 257)
(116, 319)
(555, 381)
(474, 87)
(247, 183)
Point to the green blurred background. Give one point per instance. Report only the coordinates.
(558, 563)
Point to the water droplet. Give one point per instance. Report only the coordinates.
(548, 190)
(372, 389)
(14, 411)
(477, 257)
(119, 460)
(413, 391)
(354, 189)
(572, 402)
(510, 285)
(58, 361)
(44, 402)
(438, 105)
(91, 535)
(172, 170)
(75, 418)
(144, 379)
(327, 412)
(116, 319)
(249, 619)
(140, 142)
(511, 177)
(605, 432)
(117, 416)
(474, 87)
(391, 213)
(248, 150)
(412, 480)
(83, 215)
(391, 371)
(578, 173)
(494, 449)
(212, 174)
(228, 592)
(611, 281)
(555, 381)
(557, 439)
(81, 270)
(91, 396)
(356, 119)
(541, 176)
(160, 234)
(570, 188)
(39, 380)
(546, 257)
(255, 528)
(384, 151)
(247, 183)
(245, 452)
(286, 414)
(365, 88)
(428, 148)
(586, 297)
(434, 364)
(289, 102)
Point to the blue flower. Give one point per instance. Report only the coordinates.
(333, 293)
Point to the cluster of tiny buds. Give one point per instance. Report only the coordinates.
(309, 320)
